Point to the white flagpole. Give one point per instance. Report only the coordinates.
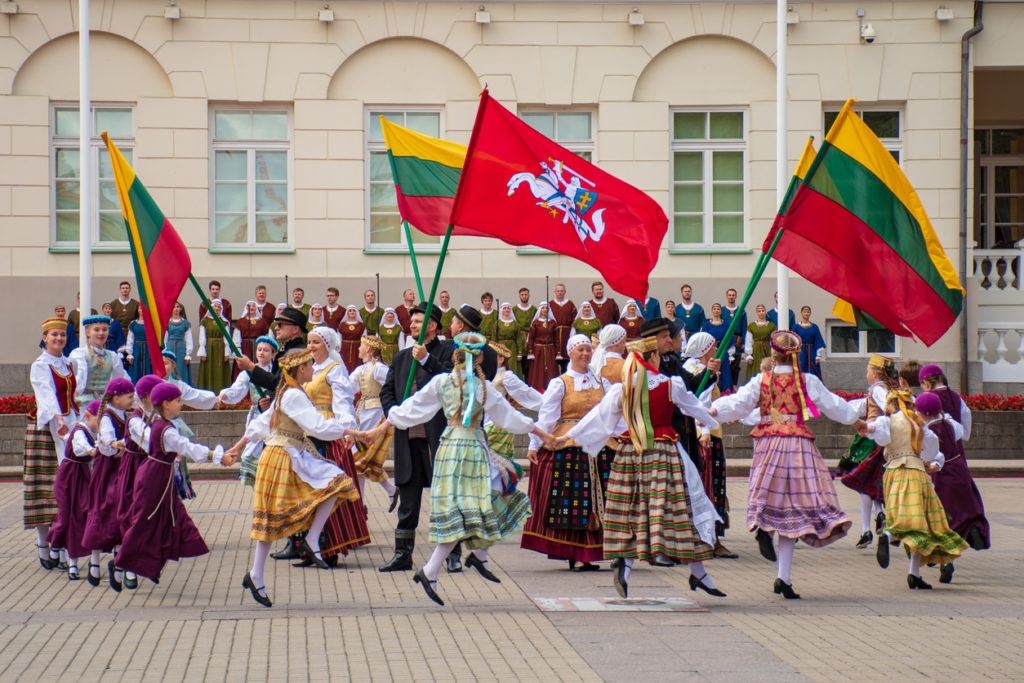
(781, 152)
(86, 180)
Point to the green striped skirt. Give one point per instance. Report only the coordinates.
(914, 515)
(39, 475)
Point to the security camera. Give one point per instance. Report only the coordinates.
(868, 33)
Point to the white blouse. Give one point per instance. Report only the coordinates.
(228, 353)
(878, 394)
(107, 433)
(550, 410)
(80, 442)
(173, 442)
(965, 416)
(521, 392)
(239, 389)
(47, 407)
(296, 405)
(369, 417)
(342, 395)
(880, 431)
(740, 404)
(424, 404)
(188, 343)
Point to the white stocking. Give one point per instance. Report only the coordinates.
(786, 547)
(915, 565)
(865, 512)
(323, 511)
(433, 565)
(389, 486)
(697, 570)
(878, 506)
(43, 546)
(94, 559)
(64, 555)
(629, 568)
(259, 561)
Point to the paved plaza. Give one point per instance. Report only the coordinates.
(855, 622)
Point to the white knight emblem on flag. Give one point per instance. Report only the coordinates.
(570, 197)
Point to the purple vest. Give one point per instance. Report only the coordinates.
(156, 442)
(118, 423)
(950, 446)
(950, 402)
(129, 443)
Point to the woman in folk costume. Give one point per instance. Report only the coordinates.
(296, 490)
(390, 332)
(631, 320)
(812, 344)
(160, 528)
(266, 348)
(655, 503)
(540, 343)
(54, 384)
(251, 326)
(586, 322)
(464, 503)
(351, 329)
(316, 317)
(566, 485)
(953, 483)
(515, 391)
(178, 339)
(717, 327)
(607, 360)
(366, 381)
(506, 333)
(791, 491)
(103, 529)
(214, 353)
(71, 490)
(757, 342)
(94, 364)
(332, 395)
(862, 465)
(138, 349)
(700, 349)
(914, 515)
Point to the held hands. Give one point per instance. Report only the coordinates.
(862, 427)
(532, 456)
(264, 403)
(62, 427)
(932, 467)
(231, 456)
(705, 440)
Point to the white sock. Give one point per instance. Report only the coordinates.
(878, 506)
(118, 574)
(389, 486)
(259, 561)
(697, 569)
(865, 512)
(915, 565)
(131, 575)
(433, 565)
(43, 546)
(64, 555)
(629, 568)
(786, 547)
(94, 564)
(323, 511)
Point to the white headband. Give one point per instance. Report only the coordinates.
(576, 340)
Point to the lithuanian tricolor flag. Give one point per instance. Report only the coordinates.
(161, 261)
(856, 228)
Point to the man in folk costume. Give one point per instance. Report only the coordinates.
(371, 313)
(405, 309)
(298, 301)
(689, 312)
(524, 313)
(214, 293)
(606, 310)
(488, 316)
(333, 311)
(265, 308)
(125, 309)
(564, 311)
(731, 310)
(651, 308)
(414, 448)
(447, 311)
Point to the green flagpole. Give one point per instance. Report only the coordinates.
(412, 255)
(430, 304)
(220, 323)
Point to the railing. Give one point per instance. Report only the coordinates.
(998, 270)
(1001, 351)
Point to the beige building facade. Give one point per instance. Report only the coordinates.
(254, 123)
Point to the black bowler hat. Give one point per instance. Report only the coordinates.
(435, 312)
(470, 316)
(292, 316)
(651, 327)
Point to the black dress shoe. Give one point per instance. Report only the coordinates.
(946, 573)
(401, 562)
(47, 562)
(114, 583)
(975, 539)
(785, 590)
(764, 544)
(476, 563)
(131, 582)
(882, 553)
(93, 580)
(421, 578)
(696, 583)
(917, 583)
(879, 522)
(314, 557)
(865, 539)
(289, 552)
(619, 577)
(331, 560)
(261, 598)
(587, 567)
(572, 565)
(663, 560)
(73, 572)
(453, 564)
(394, 502)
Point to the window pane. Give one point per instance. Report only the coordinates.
(726, 125)
(585, 155)
(688, 166)
(542, 123)
(271, 229)
(271, 165)
(727, 166)
(231, 230)
(231, 197)
(727, 197)
(67, 122)
(428, 123)
(67, 226)
(884, 124)
(270, 125)
(382, 197)
(687, 125)
(117, 122)
(67, 194)
(112, 228)
(689, 198)
(392, 116)
(67, 163)
(106, 170)
(1009, 209)
(881, 341)
(232, 125)
(380, 167)
(727, 229)
(830, 118)
(574, 126)
(689, 229)
(1007, 142)
(844, 339)
(109, 200)
(271, 197)
(230, 165)
(1008, 179)
(895, 155)
(980, 142)
(385, 229)
(419, 238)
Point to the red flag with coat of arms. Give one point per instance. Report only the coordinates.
(523, 188)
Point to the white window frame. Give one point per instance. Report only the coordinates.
(251, 147)
(862, 342)
(96, 144)
(371, 146)
(891, 144)
(574, 146)
(987, 164)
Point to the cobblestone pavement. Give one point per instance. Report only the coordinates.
(855, 621)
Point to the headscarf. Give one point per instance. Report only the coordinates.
(610, 335)
(506, 305)
(472, 343)
(280, 307)
(347, 310)
(383, 318)
(905, 400)
(698, 344)
(576, 340)
(257, 314)
(788, 344)
(579, 313)
(639, 309)
(550, 316)
(331, 339)
(311, 308)
(209, 311)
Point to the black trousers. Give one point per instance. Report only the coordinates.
(410, 494)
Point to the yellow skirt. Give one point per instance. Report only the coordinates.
(283, 504)
(370, 459)
(914, 515)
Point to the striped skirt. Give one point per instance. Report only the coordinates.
(647, 507)
(283, 504)
(866, 477)
(346, 527)
(247, 466)
(39, 476)
(369, 460)
(713, 475)
(914, 516)
(791, 492)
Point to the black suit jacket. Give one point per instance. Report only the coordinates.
(684, 425)
(439, 360)
(268, 380)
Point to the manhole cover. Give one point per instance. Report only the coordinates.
(617, 605)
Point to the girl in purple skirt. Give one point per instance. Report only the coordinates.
(71, 489)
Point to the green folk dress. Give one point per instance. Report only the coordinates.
(507, 334)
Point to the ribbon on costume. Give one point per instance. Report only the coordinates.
(807, 407)
(472, 343)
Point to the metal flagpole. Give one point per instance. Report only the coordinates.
(781, 161)
(85, 186)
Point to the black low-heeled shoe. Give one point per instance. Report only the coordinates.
(619, 577)
(316, 559)
(946, 573)
(476, 563)
(73, 572)
(572, 565)
(696, 583)
(130, 582)
(882, 554)
(421, 578)
(765, 545)
(785, 590)
(46, 562)
(93, 580)
(917, 583)
(865, 539)
(114, 583)
(263, 598)
(587, 567)
(879, 522)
